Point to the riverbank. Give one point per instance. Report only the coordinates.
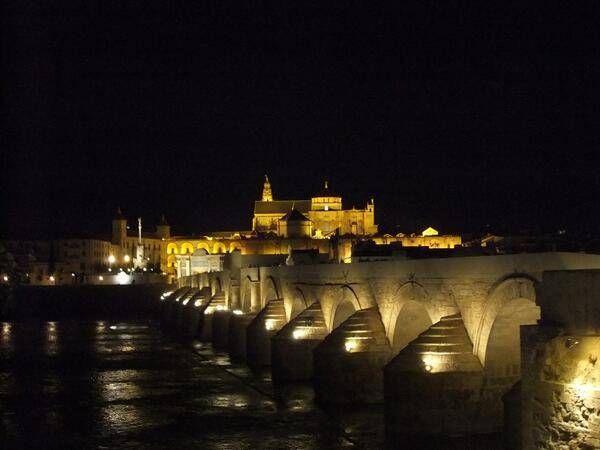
(80, 302)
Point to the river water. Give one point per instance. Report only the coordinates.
(103, 384)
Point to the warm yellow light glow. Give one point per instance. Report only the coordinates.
(5, 278)
(72, 274)
(101, 278)
(584, 390)
(221, 308)
(209, 310)
(430, 232)
(122, 278)
(300, 333)
(52, 278)
(111, 259)
(351, 345)
(126, 258)
(198, 303)
(432, 363)
(185, 302)
(238, 312)
(270, 324)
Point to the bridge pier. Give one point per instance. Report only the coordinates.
(260, 331)
(435, 385)
(293, 345)
(172, 306)
(220, 328)
(216, 303)
(348, 363)
(238, 327)
(182, 308)
(193, 314)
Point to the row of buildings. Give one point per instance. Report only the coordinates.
(318, 229)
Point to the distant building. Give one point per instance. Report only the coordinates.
(324, 211)
(429, 238)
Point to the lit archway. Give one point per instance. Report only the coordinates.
(503, 351)
(271, 292)
(235, 246)
(203, 246)
(412, 320)
(172, 249)
(219, 248)
(347, 305)
(187, 248)
(412, 314)
(508, 289)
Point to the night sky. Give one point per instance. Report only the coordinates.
(464, 116)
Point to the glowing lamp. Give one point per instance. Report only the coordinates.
(5, 278)
(126, 258)
(72, 274)
(209, 310)
(185, 302)
(197, 303)
(238, 312)
(270, 324)
(299, 333)
(111, 259)
(101, 278)
(351, 345)
(52, 278)
(428, 367)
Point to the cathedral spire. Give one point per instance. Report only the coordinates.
(267, 195)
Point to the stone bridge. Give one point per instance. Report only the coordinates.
(437, 340)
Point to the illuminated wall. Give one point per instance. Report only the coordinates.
(436, 241)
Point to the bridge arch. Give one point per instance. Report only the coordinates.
(412, 314)
(215, 285)
(271, 291)
(172, 249)
(347, 305)
(511, 302)
(299, 302)
(171, 261)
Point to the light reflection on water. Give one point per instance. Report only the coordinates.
(130, 387)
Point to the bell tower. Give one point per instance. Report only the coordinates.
(267, 195)
(119, 229)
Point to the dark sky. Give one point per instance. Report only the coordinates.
(460, 115)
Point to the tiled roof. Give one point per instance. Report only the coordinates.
(281, 206)
(295, 216)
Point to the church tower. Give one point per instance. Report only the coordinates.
(267, 195)
(119, 229)
(163, 230)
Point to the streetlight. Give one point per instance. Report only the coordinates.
(126, 258)
(111, 261)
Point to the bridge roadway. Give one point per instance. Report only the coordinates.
(436, 340)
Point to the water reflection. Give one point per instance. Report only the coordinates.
(51, 345)
(93, 386)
